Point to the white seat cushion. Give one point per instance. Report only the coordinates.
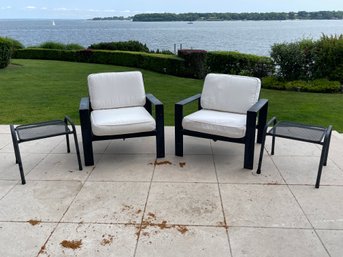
(111, 90)
(230, 93)
(216, 123)
(121, 121)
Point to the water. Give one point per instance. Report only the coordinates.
(254, 37)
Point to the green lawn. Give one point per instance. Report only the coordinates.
(34, 90)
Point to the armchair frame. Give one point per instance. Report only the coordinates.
(258, 111)
(88, 137)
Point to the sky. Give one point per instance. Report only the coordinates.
(85, 9)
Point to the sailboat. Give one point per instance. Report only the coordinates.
(53, 23)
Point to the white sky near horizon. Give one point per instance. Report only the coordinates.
(75, 9)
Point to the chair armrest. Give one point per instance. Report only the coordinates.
(85, 121)
(189, 100)
(258, 106)
(179, 110)
(159, 112)
(84, 104)
(152, 99)
(261, 107)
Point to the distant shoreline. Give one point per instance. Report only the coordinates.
(252, 16)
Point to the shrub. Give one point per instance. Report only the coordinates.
(60, 46)
(329, 58)
(195, 62)
(130, 45)
(318, 85)
(73, 47)
(239, 64)
(309, 60)
(6, 48)
(294, 60)
(272, 82)
(15, 44)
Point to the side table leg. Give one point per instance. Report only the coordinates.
(68, 145)
(17, 155)
(261, 153)
(77, 149)
(328, 145)
(324, 155)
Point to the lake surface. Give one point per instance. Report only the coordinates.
(254, 37)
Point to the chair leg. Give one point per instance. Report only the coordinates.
(249, 156)
(249, 151)
(160, 148)
(178, 142)
(88, 153)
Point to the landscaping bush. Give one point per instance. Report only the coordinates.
(130, 45)
(272, 82)
(195, 62)
(309, 60)
(239, 64)
(15, 44)
(294, 60)
(6, 48)
(318, 85)
(328, 61)
(60, 46)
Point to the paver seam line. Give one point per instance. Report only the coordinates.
(19, 181)
(315, 231)
(302, 208)
(59, 222)
(144, 210)
(221, 202)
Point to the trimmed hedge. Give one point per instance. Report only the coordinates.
(130, 45)
(162, 63)
(318, 85)
(6, 48)
(239, 64)
(195, 62)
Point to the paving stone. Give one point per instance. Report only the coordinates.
(267, 242)
(38, 200)
(261, 205)
(322, 206)
(189, 168)
(333, 241)
(109, 202)
(23, 239)
(183, 241)
(185, 203)
(89, 240)
(118, 167)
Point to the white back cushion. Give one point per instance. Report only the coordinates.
(230, 93)
(116, 90)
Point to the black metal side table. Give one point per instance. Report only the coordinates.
(300, 132)
(30, 132)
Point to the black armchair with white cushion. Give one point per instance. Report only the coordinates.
(118, 108)
(229, 109)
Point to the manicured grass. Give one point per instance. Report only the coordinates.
(34, 90)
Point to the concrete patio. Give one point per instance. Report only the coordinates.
(203, 204)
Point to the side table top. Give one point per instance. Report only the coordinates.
(298, 131)
(42, 130)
